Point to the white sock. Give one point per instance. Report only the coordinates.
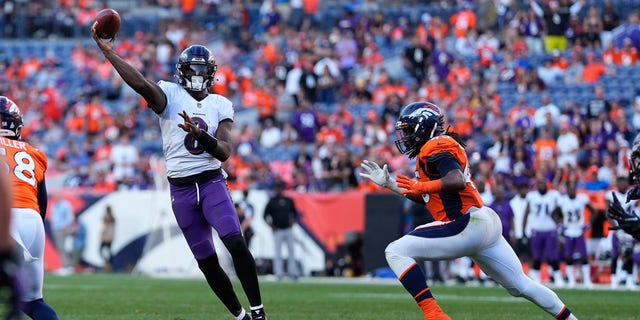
(535, 275)
(586, 273)
(241, 315)
(570, 275)
(557, 277)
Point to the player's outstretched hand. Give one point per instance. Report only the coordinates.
(104, 45)
(189, 125)
(411, 186)
(10, 289)
(627, 219)
(633, 194)
(372, 171)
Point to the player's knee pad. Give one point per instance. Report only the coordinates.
(235, 244)
(554, 265)
(584, 260)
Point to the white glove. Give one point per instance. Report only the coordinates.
(379, 176)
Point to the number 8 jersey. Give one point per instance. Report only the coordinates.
(25, 166)
(184, 156)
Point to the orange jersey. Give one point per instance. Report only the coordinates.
(447, 206)
(26, 166)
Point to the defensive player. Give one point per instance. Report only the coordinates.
(26, 166)
(196, 134)
(463, 226)
(541, 203)
(572, 207)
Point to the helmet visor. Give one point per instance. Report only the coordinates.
(194, 69)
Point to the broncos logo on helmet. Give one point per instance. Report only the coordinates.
(418, 122)
(196, 68)
(10, 119)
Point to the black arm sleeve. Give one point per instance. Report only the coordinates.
(208, 142)
(442, 163)
(42, 198)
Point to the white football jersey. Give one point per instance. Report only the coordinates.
(183, 154)
(519, 206)
(540, 209)
(573, 214)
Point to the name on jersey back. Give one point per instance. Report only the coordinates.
(13, 144)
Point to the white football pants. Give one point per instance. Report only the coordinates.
(480, 239)
(28, 231)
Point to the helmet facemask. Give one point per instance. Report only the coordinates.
(196, 76)
(196, 68)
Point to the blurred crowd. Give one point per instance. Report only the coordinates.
(317, 85)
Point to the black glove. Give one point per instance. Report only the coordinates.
(628, 220)
(10, 286)
(633, 194)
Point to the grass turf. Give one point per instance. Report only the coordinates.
(123, 296)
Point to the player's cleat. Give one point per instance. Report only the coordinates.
(432, 310)
(258, 314)
(246, 317)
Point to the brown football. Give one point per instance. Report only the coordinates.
(107, 23)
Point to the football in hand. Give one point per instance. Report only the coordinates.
(107, 23)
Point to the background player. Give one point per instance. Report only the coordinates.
(626, 216)
(541, 203)
(571, 207)
(26, 166)
(196, 134)
(622, 242)
(463, 226)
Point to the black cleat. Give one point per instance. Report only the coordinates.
(246, 317)
(258, 314)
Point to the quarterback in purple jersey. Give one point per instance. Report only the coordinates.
(196, 134)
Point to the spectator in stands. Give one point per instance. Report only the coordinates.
(594, 69)
(628, 53)
(591, 181)
(415, 59)
(629, 29)
(599, 104)
(532, 27)
(593, 27)
(610, 20)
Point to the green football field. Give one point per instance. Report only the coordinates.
(123, 296)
